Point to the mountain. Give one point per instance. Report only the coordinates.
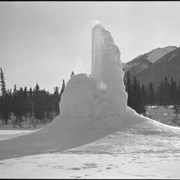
(167, 66)
(147, 60)
(156, 54)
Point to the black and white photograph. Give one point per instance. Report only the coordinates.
(90, 89)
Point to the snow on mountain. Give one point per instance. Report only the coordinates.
(156, 54)
(145, 61)
(92, 107)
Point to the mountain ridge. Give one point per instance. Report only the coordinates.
(146, 60)
(165, 64)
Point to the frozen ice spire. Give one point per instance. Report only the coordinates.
(104, 92)
(97, 42)
(106, 66)
(103, 50)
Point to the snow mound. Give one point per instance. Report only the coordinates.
(91, 108)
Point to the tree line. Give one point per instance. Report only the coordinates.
(40, 104)
(139, 96)
(34, 103)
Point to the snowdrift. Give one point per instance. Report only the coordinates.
(91, 108)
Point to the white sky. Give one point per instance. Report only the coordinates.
(42, 42)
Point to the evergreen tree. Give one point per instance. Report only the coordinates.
(173, 92)
(72, 74)
(4, 108)
(2, 81)
(151, 94)
(30, 104)
(39, 103)
(25, 101)
(144, 95)
(37, 87)
(138, 104)
(19, 105)
(166, 92)
(15, 102)
(4, 100)
(160, 93)
(48, 107)
(56, 100)
(135, 93)
(15, 89)
(178, 95)
(129, 90)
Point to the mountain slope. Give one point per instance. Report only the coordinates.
(167, 66)
(137, 65)
(146, 60)
(156, 54)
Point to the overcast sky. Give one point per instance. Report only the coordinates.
(42, 42)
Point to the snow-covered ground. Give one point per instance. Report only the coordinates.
(8, 134)
(120, 155)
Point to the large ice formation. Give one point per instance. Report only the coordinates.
(101, 96)
(91, 108)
